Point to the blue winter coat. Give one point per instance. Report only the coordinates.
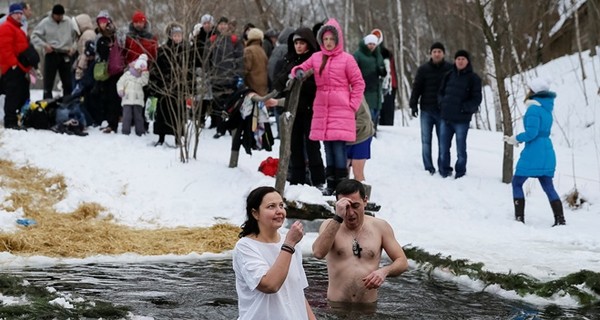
(537, 158)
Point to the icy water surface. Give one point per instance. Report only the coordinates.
(206, 290)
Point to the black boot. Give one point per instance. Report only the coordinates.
(557, 209)
(519, 209)
(330, 180)
(340, 174)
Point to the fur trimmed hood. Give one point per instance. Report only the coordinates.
(333, 26)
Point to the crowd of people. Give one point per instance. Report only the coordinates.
(344, 97)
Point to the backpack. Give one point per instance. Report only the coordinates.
(269, 166)
(101, 71)
(39, 114)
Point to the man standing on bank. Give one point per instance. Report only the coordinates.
(425, 92)
(352, 243)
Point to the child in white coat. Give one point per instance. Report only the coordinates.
(131, 90)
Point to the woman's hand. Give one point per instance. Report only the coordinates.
(295, 234)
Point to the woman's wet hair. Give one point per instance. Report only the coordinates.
(253, 202)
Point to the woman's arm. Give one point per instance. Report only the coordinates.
(311, 315)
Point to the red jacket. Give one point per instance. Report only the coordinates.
(134, 47)
(13, 41)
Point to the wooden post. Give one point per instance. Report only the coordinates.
(286, 122)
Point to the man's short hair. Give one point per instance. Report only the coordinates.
(350, 186)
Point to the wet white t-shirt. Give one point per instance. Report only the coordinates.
(251, 261)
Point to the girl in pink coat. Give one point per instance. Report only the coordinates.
(340, 89)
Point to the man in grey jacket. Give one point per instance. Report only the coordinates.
(56, 35)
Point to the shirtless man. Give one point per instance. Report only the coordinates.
(352, 242)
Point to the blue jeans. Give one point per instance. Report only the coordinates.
(428, 121)
(375, 116)
(447, 132)
(545, 181)
(335, 154)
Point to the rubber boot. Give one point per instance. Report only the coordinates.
(330, 180)
(519, 209)
(233, 159)
(340, 174)
(557, 209)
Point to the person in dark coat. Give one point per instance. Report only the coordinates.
(106, 101)
(301, 44)
(425, 93)
(537, 160)
(168, 84)
(459, 97)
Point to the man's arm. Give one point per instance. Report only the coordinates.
(393, 249)
(324, 241)
(417, 90)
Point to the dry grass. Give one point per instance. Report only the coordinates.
(84, 233)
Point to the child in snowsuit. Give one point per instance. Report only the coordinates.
(131, 90)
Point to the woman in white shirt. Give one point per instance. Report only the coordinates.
(269, 276)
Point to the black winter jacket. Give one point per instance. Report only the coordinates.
(460, 94)
(292, 59)
(427, 85)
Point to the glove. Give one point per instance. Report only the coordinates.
(414, 112)
(299, 74)
(511, 140)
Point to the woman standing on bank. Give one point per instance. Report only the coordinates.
(269, 277)
(537, 160)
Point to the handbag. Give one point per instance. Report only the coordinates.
(116, 61)
(101, 71)
(29, 57)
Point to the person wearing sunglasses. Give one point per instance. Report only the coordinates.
(352, 244)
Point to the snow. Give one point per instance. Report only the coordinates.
(470, 218)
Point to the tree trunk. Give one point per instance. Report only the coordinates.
(286, 122)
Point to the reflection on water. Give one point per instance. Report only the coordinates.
(206, 290)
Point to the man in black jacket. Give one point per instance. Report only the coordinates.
(425, 92)
(459, 97)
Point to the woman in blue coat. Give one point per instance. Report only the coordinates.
(537, 159)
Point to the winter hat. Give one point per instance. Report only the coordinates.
(174, 30)
(138, 16)
(102, 16)
(223, 20)
(207, 18)
(141, 62)
(539, 85)
(379, 34)
(272, 33)
(370, 39)
(58, 10)
(297, 37)
(255, 34)
(15, 8)
(437, 45)
(462, 53)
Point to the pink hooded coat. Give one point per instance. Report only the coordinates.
(340, 89)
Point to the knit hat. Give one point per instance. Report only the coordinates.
(539, 85)
(138, 16)
(379, 34)
(462, 53)
(255, 34)
(223, 19)
(329, 32)
(58, 9)
(207, 18)
(437, 45)
(103, 16)
(370, 39)
(272, 33)
(15, 8)
(174, 30)
(141, 62)
(297, 37)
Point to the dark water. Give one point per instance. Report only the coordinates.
(206, 290)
